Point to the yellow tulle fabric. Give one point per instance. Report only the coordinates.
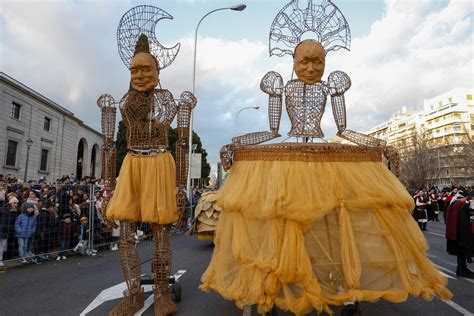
(146, 190)
(305, 235)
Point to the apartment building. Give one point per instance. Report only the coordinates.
(446, 123)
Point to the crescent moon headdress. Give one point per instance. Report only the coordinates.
(324, 20)
(140, 20)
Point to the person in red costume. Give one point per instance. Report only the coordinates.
(460, 233)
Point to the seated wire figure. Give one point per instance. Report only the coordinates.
(306, 225)
(151, 187)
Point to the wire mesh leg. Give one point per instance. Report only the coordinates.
(164, 305)
(133, 298)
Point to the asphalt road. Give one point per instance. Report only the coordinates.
(68, 287)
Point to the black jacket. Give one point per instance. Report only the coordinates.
(465, 233)
(7, 222)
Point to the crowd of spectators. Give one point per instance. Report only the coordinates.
(457, 207)
(39, 220)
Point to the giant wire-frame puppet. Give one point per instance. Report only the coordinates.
(306, 98)
(147, 113)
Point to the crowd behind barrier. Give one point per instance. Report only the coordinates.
(41, 221)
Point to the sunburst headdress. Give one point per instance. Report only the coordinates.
(295, 20)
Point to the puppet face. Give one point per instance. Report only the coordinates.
(309, 61)
(144, 72)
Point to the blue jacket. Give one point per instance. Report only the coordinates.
(25, 226)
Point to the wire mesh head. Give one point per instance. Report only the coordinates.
(298, 18)
(143, 20)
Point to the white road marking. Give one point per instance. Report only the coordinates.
(459, 308)
(454, 273)
(447, 275)
(116, 291)
(179, 274)
(436, 234)
(444, 269)
(442, 260)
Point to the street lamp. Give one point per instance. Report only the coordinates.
(29, 143)
(237, 115)
(238, 7)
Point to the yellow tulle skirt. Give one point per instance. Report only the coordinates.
(146, 190)
(305, 226)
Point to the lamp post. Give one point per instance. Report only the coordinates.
(237, 115)
(29, 143)
(239, 7)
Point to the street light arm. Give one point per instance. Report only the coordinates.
(195, 43)
(237, 115)
(238, 7)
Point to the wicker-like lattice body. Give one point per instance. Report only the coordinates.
(108, 111)
(305, 107)
(147, 117)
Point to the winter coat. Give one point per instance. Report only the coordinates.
(459, 234)
(47, 225)
(67, 230)
(6, 224)
(25, 225)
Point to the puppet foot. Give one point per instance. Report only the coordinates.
(164, 305)
(129, 305)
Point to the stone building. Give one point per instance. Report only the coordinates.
(40, 138)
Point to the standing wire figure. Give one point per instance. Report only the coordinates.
(151, 186)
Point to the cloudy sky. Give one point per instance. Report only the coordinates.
(402, 51)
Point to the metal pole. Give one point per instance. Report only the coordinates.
(29, 143)
(27, 158)
(91, 220)
(239, 7)
(237, 116)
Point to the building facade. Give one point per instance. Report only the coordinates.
(40, 138)
(446, 125)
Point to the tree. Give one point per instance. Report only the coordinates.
(121, 145)
(419, 164)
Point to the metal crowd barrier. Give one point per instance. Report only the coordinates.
(46, 240)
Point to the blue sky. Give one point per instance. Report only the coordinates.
(401, 53)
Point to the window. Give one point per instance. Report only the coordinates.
(47, 124)
(11, 153)
(469, 96)
(16, 110)
(457, 128)
(44, 159)
(450, 99)
(440, 103)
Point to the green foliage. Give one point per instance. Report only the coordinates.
(121, 145)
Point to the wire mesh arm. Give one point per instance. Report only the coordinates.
(185, 105)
